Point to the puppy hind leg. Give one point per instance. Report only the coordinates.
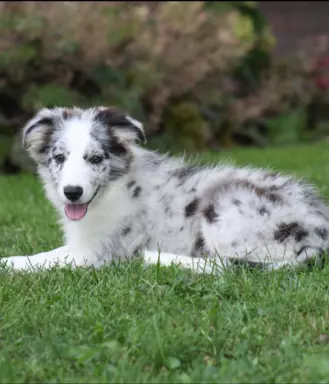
(196, 264)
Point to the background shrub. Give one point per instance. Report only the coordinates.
(199, 74)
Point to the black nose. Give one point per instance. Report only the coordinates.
(73, 193)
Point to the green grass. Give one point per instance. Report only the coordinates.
(131, 324)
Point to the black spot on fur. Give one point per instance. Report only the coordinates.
(131, 183)
(114, 119)
(263, 211)
(236, 202)
(300, 234)
(198, 246)
(125, 231)
(137, 251)
(285, 231)
(116, 148)
(191, 208)
(210, 213)
(273, 197)
(199, 243)
(137, 192)
(322, 232)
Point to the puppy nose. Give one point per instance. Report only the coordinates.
(73, 193)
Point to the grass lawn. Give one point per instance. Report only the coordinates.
(130, 324)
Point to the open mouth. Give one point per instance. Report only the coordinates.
(76, 212)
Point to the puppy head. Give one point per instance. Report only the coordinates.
(81, 152)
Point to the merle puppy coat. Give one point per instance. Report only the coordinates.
(116, 200)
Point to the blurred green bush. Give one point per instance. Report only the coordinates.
(200, 75)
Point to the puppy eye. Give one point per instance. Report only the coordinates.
(59, 158)
(95, 159)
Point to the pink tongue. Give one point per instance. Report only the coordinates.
(75, 211)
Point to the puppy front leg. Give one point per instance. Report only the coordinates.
(45, 260)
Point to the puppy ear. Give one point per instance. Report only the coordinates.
(37, 134)
(124, 127)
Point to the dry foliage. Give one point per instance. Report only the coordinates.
(283, 86)
(164, 48)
